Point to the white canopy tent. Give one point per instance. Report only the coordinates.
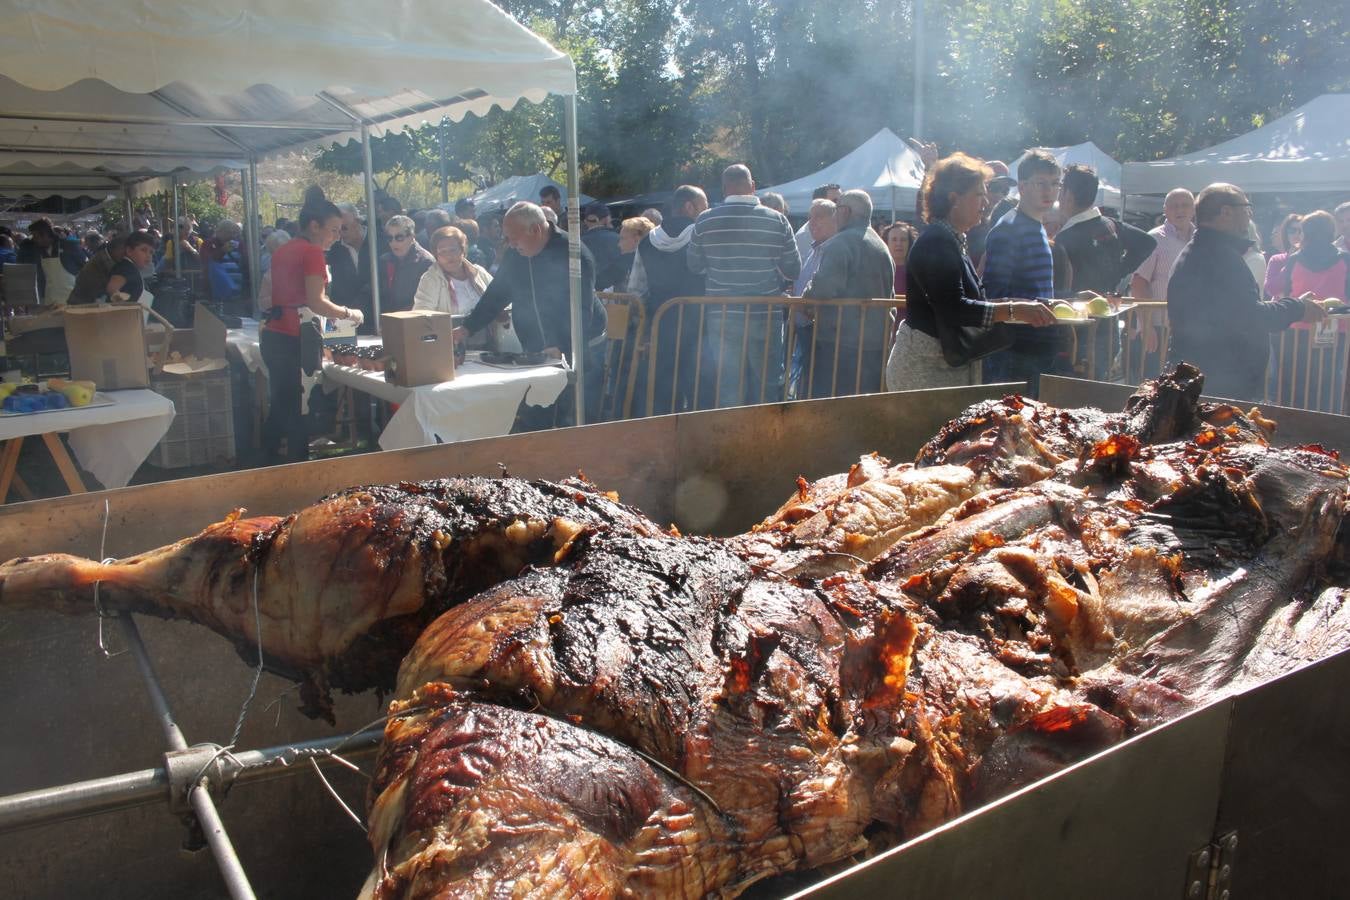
(519, 187)
(1305, 150)
(129, 92)
(1088, 154)
(883, 165)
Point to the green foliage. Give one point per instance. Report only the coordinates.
(671, 90)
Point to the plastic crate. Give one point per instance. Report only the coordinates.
(202, 432)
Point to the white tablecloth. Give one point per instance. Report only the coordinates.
(481, 402)
(110, 442)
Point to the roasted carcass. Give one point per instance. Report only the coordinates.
(604, 708)
(342, 588)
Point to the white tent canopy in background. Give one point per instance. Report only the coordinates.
(118, 91)
(144, 89)
(518, 187)
(883, 165)
(1088, 154)
(1306, 150)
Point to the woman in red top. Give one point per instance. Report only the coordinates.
(299, 280)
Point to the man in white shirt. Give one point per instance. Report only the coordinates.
(828, 192)
(1149, 281)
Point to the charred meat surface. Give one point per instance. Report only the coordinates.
(589, 706)
(344, 587)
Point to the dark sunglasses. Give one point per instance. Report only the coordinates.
(404, 236)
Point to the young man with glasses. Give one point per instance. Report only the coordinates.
(1219, 322)
(401, 269)
(1018, 263)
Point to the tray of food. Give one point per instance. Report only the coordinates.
(53, 395)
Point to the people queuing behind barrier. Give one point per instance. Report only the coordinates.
(402, 267)
(950, 325)
(849, 343)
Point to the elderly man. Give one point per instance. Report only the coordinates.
(854, 264)
(1219, 321)
(1342, 215)
(746, 250)
(532, 279)
(599, 236)
(1149, 281)
(820, 227)
(349, 268)
(803, 236)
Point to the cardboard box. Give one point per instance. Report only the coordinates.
(418, 347)
(107, 345)
(192, 351)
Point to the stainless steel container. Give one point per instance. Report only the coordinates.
(1124, 824)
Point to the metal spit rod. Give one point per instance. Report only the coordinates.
(231, 869)
(47, 806)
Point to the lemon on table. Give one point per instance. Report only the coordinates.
(1099, 306)
(1064, 311)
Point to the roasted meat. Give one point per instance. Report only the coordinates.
(783, 720)
(343, 587)
(589, 706)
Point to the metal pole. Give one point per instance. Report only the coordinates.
(254, 212)
(445, 179)
(126, 202)
(172, 733)
(199, 797)
(371, 225)
(918, 68)
(147, 786)
(177, 245)
(574, 255)
(236, 881)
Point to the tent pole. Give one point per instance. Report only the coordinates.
(445, 183)
(574, 255)
(253, 209)
(126, 203)
(177, 247)
(918, 69)
(892, 204)
(371, 225)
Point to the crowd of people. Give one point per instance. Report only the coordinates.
(978, 274)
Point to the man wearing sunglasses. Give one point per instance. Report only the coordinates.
(401, 268)
(1219, 322)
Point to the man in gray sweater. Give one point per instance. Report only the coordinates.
(745, 250)
(854, 264)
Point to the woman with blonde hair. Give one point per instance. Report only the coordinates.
(949, 324)
(454, 284)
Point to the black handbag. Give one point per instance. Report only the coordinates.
(965, 344)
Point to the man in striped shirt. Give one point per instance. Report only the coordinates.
(745, 250)
(1018, 264)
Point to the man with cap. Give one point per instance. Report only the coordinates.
(999, 187)
(611, 270)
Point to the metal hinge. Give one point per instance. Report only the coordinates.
(1209, 874)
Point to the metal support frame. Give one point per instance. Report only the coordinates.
(199, 796)
(919, 47)
(253, 212)
(574, 256)
(372, 246)
(126, 205)
(177, 249)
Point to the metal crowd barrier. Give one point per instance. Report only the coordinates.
(1307, 367)
(710, 352)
